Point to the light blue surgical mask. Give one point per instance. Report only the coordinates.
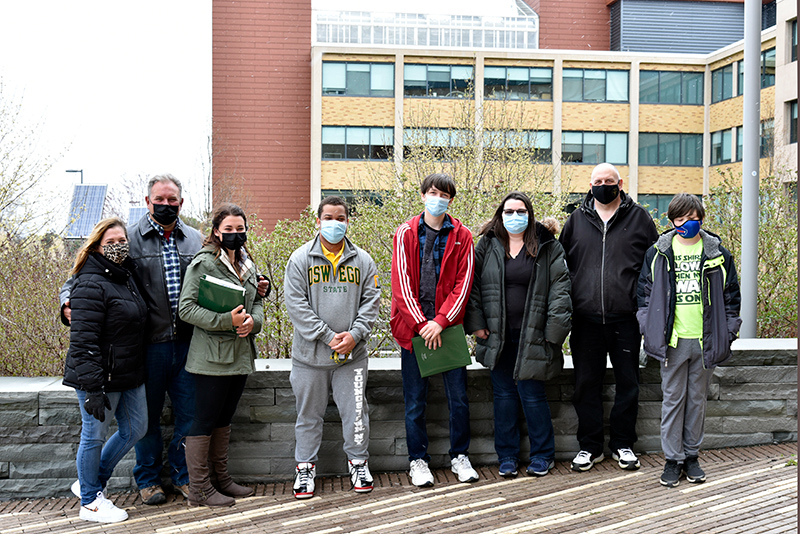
(436, 206)
(332, 231)
(516, 223)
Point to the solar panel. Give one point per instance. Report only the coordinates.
(134, 214)
(86, 209)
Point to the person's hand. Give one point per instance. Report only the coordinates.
(483, 333)
(263, 286)
(238, 315)
(96, 404)
(431, 333)
(343, 343)
(67, 311)
(246, 327)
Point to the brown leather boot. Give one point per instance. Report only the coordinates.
(201, 492)
(218, 465)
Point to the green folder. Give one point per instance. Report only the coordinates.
(219, 295)
(453, 353)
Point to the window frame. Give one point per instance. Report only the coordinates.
(723, 87)
(682, 137)
(538, 154)
(359, 63)
(370, 150)
(681, 85)
(604, 157)
(605, 85)
(466, 92)
(722, 144)
(507, 92)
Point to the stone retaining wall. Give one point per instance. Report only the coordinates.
(752, 400)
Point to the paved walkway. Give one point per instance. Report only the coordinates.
(749, 490)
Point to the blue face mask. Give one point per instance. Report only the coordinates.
(516, 223)
(333, 231)
(689, 229)
(436, 206)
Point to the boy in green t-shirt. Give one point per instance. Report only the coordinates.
(689, 315)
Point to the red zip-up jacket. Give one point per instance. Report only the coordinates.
(452, 291)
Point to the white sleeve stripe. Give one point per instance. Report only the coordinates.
(459, 304)
(405, 280)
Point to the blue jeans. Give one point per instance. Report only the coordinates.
(507, 397)
(96, 461)
(415, 395)
(166, 374)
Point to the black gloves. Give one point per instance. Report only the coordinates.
(97, 403)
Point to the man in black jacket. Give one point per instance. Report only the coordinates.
(605, 240)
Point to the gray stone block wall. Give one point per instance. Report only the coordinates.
(752, 400)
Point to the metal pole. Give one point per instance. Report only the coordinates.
(750, 172)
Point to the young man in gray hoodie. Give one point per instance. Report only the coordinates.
(332, 296)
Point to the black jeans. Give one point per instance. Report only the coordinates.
(590, 342)
(216, 398)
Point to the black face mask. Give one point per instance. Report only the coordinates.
(605, 194)
(234, 240)
(165, 214)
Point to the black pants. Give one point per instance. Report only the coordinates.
(590, 342)
(216, 398)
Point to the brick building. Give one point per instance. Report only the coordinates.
(303, 102)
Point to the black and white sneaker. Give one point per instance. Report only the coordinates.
(672, 474)
(692, 470)
(584, 461)
(360, 477)
(626, 459)
(303, 486)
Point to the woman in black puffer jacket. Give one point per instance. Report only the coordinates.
(105, 363)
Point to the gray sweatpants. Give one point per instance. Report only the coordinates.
(684, 384)
(312, 387)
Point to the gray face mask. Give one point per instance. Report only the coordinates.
(116, 252)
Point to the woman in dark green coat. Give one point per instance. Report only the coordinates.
(220, 356)
(520, 313)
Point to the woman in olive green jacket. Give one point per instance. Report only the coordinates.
(220, 356)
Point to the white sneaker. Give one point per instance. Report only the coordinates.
(102, 511)
(626, 459)
(303, 486)
(584, 461)
(76, 489)
(463, 469)
(420, 473)
(360, 477)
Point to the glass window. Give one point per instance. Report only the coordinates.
(594, 147)
(648, 149)
(722, 83)
(358, 79)
(793, 122)
(657, 205)
(739, 143)
(670, 90)
(671, 149)
(766, 143)
(432, 141)
(740, 76)
(437, 81)
(586, 85)
(648, 87)
(536, 144)
(793, 40)
(518, 83)
(721, 147)
(346, 142)
(669, 87)
(768, 68)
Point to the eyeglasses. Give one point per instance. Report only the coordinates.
(518, 212)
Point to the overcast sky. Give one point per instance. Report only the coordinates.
(124, 88)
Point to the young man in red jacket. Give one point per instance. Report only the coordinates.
(432, 269)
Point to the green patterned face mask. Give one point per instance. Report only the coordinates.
(116, 252)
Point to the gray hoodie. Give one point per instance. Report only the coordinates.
(321, 303)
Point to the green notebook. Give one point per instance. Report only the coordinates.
(453, 353)
(219, 295)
